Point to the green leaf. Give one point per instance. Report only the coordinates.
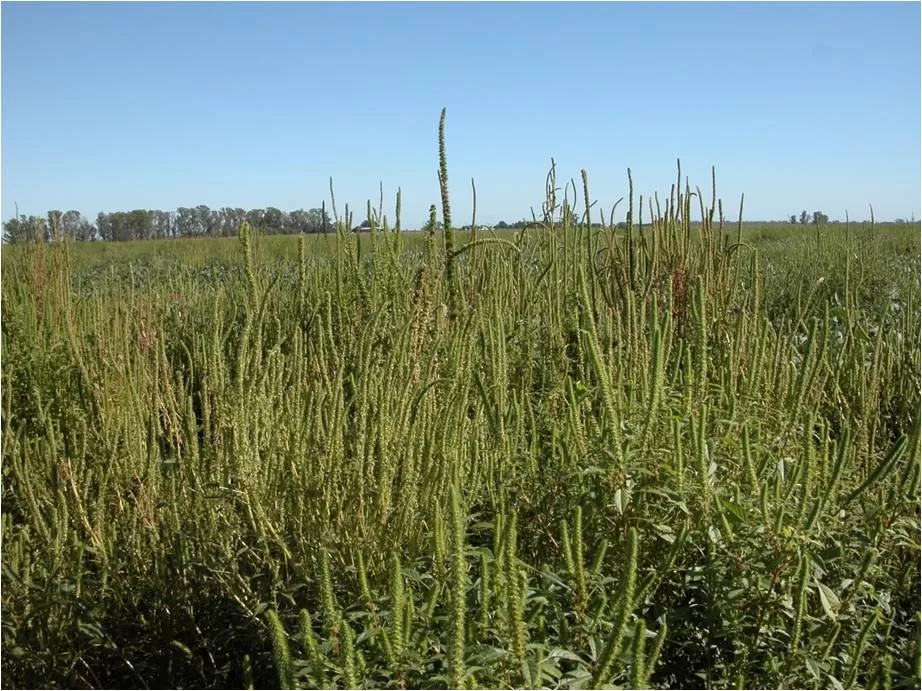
(735, 594)
(550, 671)
(561, 654)
(665, 532)
(829, 600)
(578, 679)
(735, 510)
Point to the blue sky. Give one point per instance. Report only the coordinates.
(109, 107)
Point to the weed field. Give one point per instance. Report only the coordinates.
(671, 455)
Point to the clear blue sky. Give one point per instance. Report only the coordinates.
(109, 107)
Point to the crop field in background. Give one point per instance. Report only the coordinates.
(565, 457)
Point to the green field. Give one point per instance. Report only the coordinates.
(568, 457)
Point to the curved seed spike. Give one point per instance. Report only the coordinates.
(459, 599)
(280, 650)
(603, 669)
(638, 671)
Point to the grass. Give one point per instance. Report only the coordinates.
(578, 457)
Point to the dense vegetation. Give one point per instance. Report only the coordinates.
(566, 457)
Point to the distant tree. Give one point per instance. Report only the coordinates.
(311, 221)
(793, 219)
(206, 223)
(819, 218)
(273, 220)
(24, 229)
(115, 224)
(85, 231)
(186, 222)
(255, 218)
(296, 222)
(216, 223)
(502, 225)
(12, 231)
(73, 226)
(103, 227)
(163, 224)
(804, 217)
(120, 224)
(231, 220)
(141, 223)
(318, 220)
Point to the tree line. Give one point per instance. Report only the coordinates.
(141, 224)
(817, 218)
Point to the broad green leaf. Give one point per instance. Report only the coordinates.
(814, 668)
(550, 671)
(829, 600)
(561, 654)
(834, 683)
